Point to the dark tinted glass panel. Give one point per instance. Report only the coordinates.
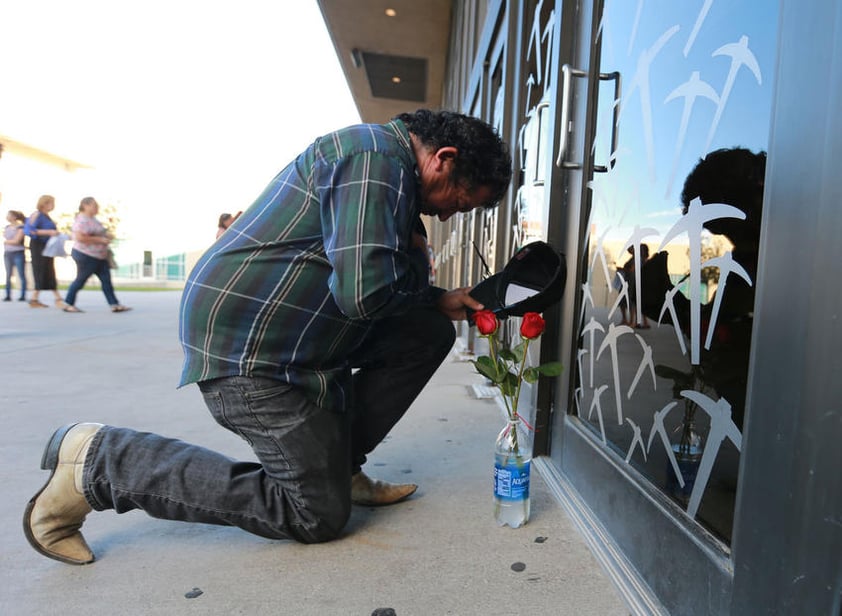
(673, 242)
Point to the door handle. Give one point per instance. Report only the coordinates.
(568, 73)
(615, 120)
(539, 108)
(535, 114)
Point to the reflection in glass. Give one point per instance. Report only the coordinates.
(667, 302)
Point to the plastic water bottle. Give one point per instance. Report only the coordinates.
(688, 459)
(688, 455)
(512, 461)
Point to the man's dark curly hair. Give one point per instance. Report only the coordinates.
(483, 159)
(734, 176)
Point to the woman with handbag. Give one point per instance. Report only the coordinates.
(40, 228)
(90, 252)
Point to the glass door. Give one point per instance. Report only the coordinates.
(665, 110)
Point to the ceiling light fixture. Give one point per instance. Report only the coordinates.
(391, 12)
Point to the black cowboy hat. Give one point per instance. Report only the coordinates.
(532, 281)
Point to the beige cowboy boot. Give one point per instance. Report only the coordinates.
(54, 516)
(373, 492)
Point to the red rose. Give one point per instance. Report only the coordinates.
(486, 322)
(532, 325)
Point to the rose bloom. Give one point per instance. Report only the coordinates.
(532, 325)
(486, 322)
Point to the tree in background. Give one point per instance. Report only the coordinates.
(107, 216)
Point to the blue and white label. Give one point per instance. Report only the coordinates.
(511, 481)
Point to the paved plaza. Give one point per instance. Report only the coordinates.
(438, 553)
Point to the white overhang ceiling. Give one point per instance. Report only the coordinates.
(393, 52)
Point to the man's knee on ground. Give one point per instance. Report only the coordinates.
(320, 526)
(441, 332)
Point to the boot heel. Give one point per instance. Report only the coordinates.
(49, 461)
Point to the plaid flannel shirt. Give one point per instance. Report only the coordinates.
(294, 285)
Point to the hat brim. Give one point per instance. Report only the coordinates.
(532, 281)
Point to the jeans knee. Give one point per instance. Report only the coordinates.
(322, 526)
(442, 333)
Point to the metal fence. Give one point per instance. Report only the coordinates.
(169, 268)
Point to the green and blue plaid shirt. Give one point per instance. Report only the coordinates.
(294, 285)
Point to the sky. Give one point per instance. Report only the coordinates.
(683, 96)
(185, 108)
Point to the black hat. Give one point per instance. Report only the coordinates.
(532, 281)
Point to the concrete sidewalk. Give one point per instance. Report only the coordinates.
(438, 553)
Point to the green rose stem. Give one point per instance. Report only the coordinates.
(513, 417)
(511, 405)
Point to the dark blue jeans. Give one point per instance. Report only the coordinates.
(15, 261)
(300, 487)
(87, 266)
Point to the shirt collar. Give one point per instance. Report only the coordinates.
(404, 139)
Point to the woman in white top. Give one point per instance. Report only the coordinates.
(90, 252)
(13, 253)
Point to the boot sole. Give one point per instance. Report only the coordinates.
(49, 461)
(367, 503)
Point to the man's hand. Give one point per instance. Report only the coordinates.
(453, 304)
(419, 241)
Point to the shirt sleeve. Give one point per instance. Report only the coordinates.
(368, 213)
